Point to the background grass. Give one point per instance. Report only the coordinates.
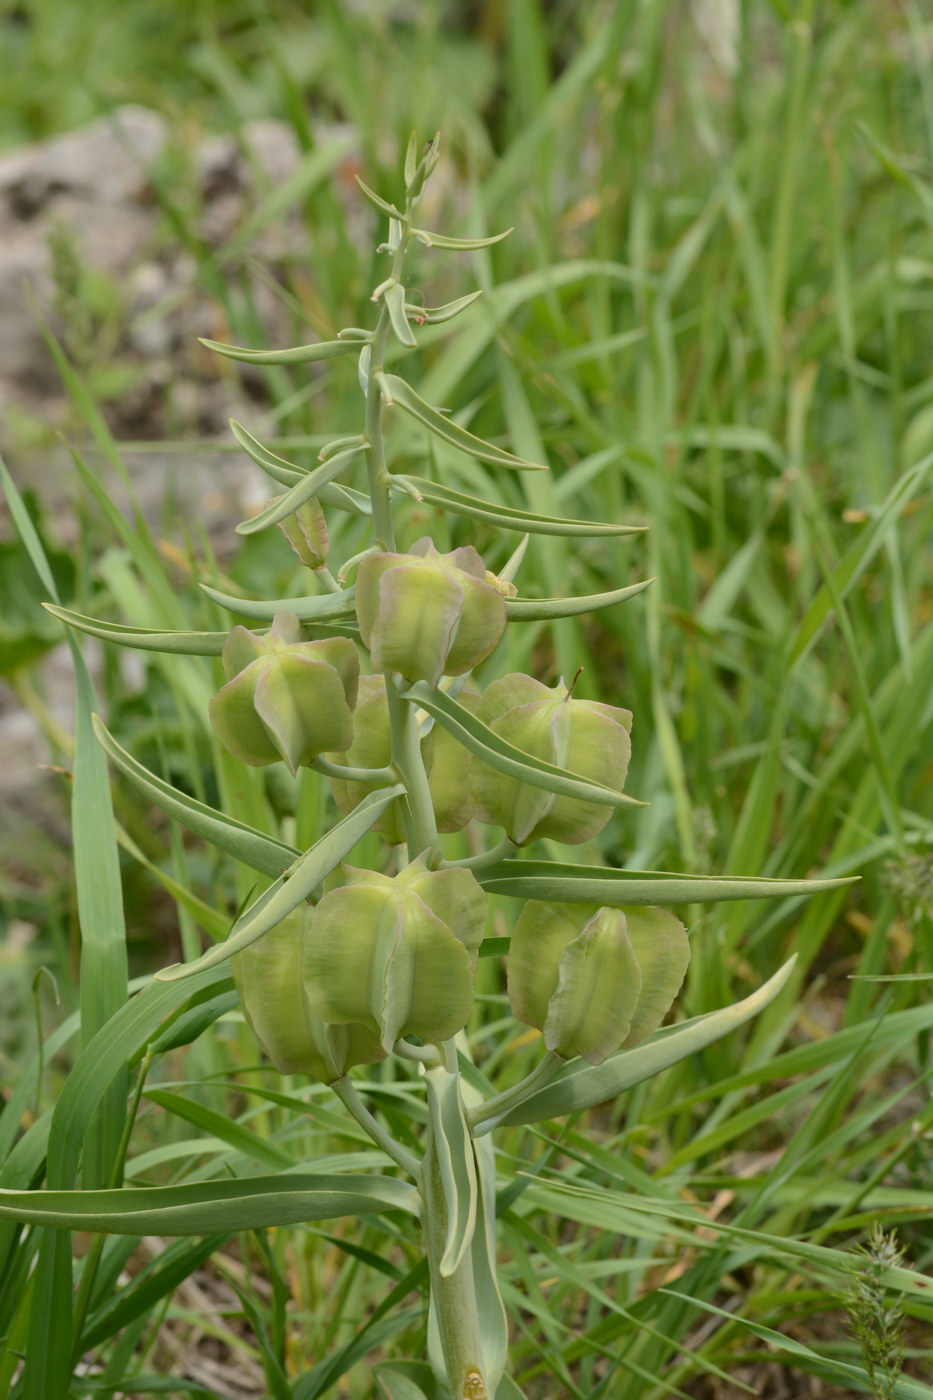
(713, 318)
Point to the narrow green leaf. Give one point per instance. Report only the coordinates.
(379, 203)
(435, 315)
(250, 1204)
(858, 556)
(581, 1086)
(292, 888)
(297, 355)
(457, 245)
(539, 609)
(310, 609)
(244, 842)
(288, 474)
(311, 484)
(220, 1125)
(584, 884)
(143, 638)
(507, 517)
(452, 1145)
(404, 395)
(506, 758)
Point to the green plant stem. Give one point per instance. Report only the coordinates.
(355, 1106)
(420, 823)
(484, 1119)
(501, 851)
(353, 775)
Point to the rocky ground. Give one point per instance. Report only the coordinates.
(85, 245)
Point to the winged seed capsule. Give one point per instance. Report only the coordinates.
(428, 614)
(396, 954)
(285, 697)
(276, 1007)
(584, 736)
(595, 980)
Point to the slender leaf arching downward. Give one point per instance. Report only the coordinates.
(505, 757)
(295, 886)
(253, 847)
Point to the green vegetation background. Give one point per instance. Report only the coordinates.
(714, 318)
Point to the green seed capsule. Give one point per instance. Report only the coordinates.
(396, 955)
(584, 736)
(427, 614)
(286, 698)
(306, 532)
(268, 979)
(595, 980)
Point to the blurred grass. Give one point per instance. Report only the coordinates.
(713, 318)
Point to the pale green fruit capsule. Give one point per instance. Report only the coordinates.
(286, 697)
(268, 978)
(595, 980)
(446, 761)
(306, 532)
(584, 736)
(396, 955)
(427, 614)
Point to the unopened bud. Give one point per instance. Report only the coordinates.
(428, 614)
(286, 697)
(587, 738)
(306, 532)
(595, 980)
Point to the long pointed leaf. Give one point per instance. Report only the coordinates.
(506, 758)
(310, 609)
(297, 355)
(292, 888)
(457, 245)
(581, 1086)
(309, 485)
(583, 884)
(404, 395)
(142, 638)
(288, 474)
(526, 522)
(539, 609)
(253, 847)
(250, 1204)
(435, 315)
